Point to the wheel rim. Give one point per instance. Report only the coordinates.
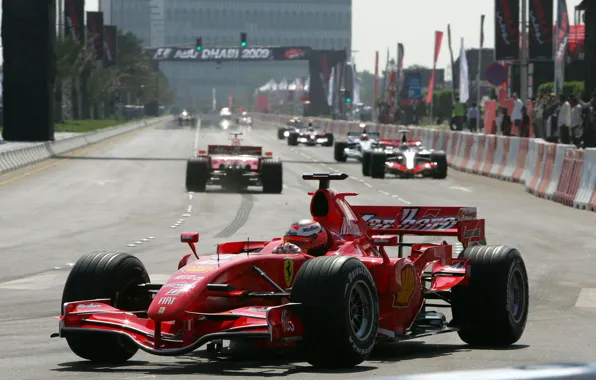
(516, 295)
(361, 310)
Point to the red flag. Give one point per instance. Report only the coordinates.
(431, 84)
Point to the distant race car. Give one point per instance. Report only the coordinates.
(293, 125)
(404, 159)
(244, 120)
(310, 135)
(225, 119)
(187, 118)
(355, 145)
(234, 166)
(334, 303)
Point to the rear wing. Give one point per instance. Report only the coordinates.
(235, 135)
(461, 222)
(374, 135)
(235, 149)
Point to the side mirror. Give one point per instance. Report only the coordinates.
(190, 238)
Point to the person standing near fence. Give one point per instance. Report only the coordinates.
(473, 115)
(564, 122)
(516, 114)
(576, 121)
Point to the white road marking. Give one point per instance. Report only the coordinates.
(465, 189)
(189, 195)
(138, 242)
(70, 264)
(150, 237)
(131, 245)
(186, 215)
(587, 298)
(383, 192)
(144, 240)
(173, 226)
(367, 184)
(306, 155)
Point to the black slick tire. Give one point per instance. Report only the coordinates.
(110, 275)
(329, 137)
(272, 176)
(293, 139)
(442, 166)
(366, 163)
(338, 151)
(327, 287)
(481, 309)
(377, 165)
(280, 133)
(197, 174)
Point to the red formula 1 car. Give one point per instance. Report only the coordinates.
(404, 159)
(234, 166)
(335, 307)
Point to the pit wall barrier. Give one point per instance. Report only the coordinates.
(557, 172)
(20, 157)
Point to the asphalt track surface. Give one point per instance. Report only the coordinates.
(128, 195)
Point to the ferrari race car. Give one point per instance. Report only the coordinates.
(187, 118)
(355, 145)
(404, 159)
(293, 125)
(244, 120)
(336, 306)
(234, 166)
(310, 135)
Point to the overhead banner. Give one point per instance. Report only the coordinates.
(95, 33)
(293, 53)
(74, 19)
(507, 31)
(110, 36)
(541, 30)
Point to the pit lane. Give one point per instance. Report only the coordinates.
(119, 196)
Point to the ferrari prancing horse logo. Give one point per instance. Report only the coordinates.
(289, 271)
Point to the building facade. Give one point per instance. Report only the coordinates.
(318, 24)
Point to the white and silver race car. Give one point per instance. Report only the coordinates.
(245, 120)
(355, 145)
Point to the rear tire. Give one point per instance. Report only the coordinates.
(272, 177)
(110, 275)
(377, 165)
(197, 174)
(366, 163)
(441, 169)
(481, 309)
(338, 153)
(327, 288)
(293, 139)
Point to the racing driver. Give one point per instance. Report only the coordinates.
(305, 235)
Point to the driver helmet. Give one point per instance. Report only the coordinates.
(364, 137)
(309, 235)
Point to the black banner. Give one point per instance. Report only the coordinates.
(74, 19)
(110, 37)
(232, 54)
(541, 30)
(95, 33)
(507, 31)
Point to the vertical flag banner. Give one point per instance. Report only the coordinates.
(464, 79)
(541, 30)
(400, 70)
(431, 84)
(561, 41)
(74, 19)
(110, 35)
(376, 79)
(95, 32)
(478, 75)
(507, 31)
(452, 64)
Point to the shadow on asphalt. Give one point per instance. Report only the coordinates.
(269, 363)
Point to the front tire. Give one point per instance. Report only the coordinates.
(329, 142)
(366, 163)
(110, 275)
(293, 139)
(197, 174)
(483, 310)
(339, 154)
(336, 333)
(441, 169)
(377, 165)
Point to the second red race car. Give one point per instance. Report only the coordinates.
(234, 166)
(335, 304)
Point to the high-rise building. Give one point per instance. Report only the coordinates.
(318, 24)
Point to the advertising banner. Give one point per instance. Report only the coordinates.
(507, 32)
(541, 30)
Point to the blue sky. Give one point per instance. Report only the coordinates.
(381, 24)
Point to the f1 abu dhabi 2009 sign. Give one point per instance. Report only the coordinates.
(231, 54)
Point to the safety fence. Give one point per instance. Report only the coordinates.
(17, 158)
(558, 172)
